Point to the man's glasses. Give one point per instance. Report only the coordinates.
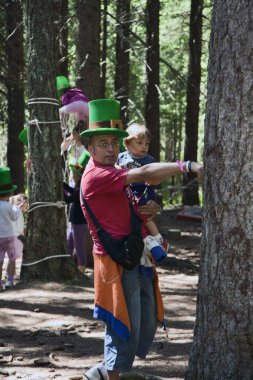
(105, 145)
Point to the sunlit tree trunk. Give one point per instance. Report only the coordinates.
(190, 193)
(88, 47)
(46, 227)
(152, 110)
(223, 337)
(121, 84)
(15, 90)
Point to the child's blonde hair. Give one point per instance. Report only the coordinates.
(136, 131)
(17, 199)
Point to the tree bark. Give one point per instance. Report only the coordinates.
(61, 36)
(223, 337)
(15, 90)
(121, 84)
(104, 50)
(88, 47)
(190, 192)
(152, 109)
(46, 226)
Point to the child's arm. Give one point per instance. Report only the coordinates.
(151, 227)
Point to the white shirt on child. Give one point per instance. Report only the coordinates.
(7, 216)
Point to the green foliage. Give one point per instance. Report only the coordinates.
(174, 34)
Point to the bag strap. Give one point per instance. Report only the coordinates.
(93, 218)
(135, 222)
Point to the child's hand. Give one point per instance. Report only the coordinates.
(150, 209)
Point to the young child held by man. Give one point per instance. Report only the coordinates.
(136, 155)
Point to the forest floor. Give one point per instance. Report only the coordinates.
(47, 330)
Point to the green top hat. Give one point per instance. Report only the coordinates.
(6, 185)
(62, 85)
(23, 136)
(79, 167)
(104, 119)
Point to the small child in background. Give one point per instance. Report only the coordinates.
(136, 155)
(19, 204)
(7, 216)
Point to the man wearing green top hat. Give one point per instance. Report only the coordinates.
(128, 301)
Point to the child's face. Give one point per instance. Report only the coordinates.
(25, 206)
(138, 147)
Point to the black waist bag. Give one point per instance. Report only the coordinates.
(127, 251)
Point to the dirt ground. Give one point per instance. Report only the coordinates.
(47, 330)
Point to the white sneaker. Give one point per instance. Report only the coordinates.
(98, 372)
(9, 284)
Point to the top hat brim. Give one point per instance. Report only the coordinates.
(6, 191)
(63, 89)
(104, 131)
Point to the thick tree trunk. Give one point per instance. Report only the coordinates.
(104, 50)
(121, 84)
(88, 47)
(190, 193)
(46, 227)
(223, 337)
(61, 36)
(152, 110)
(15, 91)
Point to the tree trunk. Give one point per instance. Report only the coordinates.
(223, 337)
(121, 85)
(46, 227)
(104, 50)
(190, 192)
(88, 47)
(15, 91)
(61, 36)
(152, 111)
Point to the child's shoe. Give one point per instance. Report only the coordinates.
(166, 246)
(162, 242)
(98, 372)
(154, 247)
(9, 284)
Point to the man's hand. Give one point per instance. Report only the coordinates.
(198, 169)
(150, 209)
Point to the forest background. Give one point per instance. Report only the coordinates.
(152, 57)
(149, 55)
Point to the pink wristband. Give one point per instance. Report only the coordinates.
(181, 165)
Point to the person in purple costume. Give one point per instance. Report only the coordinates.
(73, 101)
(77, 229)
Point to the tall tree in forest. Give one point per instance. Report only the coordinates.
(122, 67)
(104, 50)
(61, 36)
(46, 226)
(152, 109)
(223, 336)
(15, 90)
(190, 192)
(88, 47)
